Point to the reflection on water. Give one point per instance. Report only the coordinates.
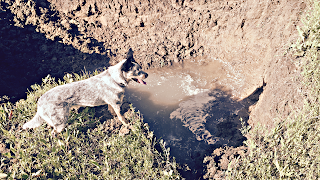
(188, 109)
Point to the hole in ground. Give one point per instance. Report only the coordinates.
(190, 110)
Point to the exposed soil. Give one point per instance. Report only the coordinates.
(63, 36)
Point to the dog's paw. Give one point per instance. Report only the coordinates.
(124, 130)
(54, 133)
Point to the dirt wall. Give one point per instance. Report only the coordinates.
(248, 34)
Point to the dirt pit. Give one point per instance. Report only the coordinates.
(193, 107)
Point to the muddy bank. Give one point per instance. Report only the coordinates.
(54, 37)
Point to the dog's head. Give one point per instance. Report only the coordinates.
(132, 70)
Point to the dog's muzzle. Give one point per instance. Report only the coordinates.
(140, 79)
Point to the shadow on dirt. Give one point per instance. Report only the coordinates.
(196, 128)
(28, 56)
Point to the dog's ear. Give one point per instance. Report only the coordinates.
(130, 54)
(126, 65)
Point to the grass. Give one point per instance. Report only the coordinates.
(86, 149)
(291, 150)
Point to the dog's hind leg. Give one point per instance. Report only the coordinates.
(36, 121)
(57, 118)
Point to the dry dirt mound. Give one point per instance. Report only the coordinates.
(58, 36)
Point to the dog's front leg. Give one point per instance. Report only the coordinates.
(117, 109)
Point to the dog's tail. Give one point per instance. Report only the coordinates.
(36, 121)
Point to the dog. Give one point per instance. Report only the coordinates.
(105, 88)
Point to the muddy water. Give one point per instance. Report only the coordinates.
(192, 108)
